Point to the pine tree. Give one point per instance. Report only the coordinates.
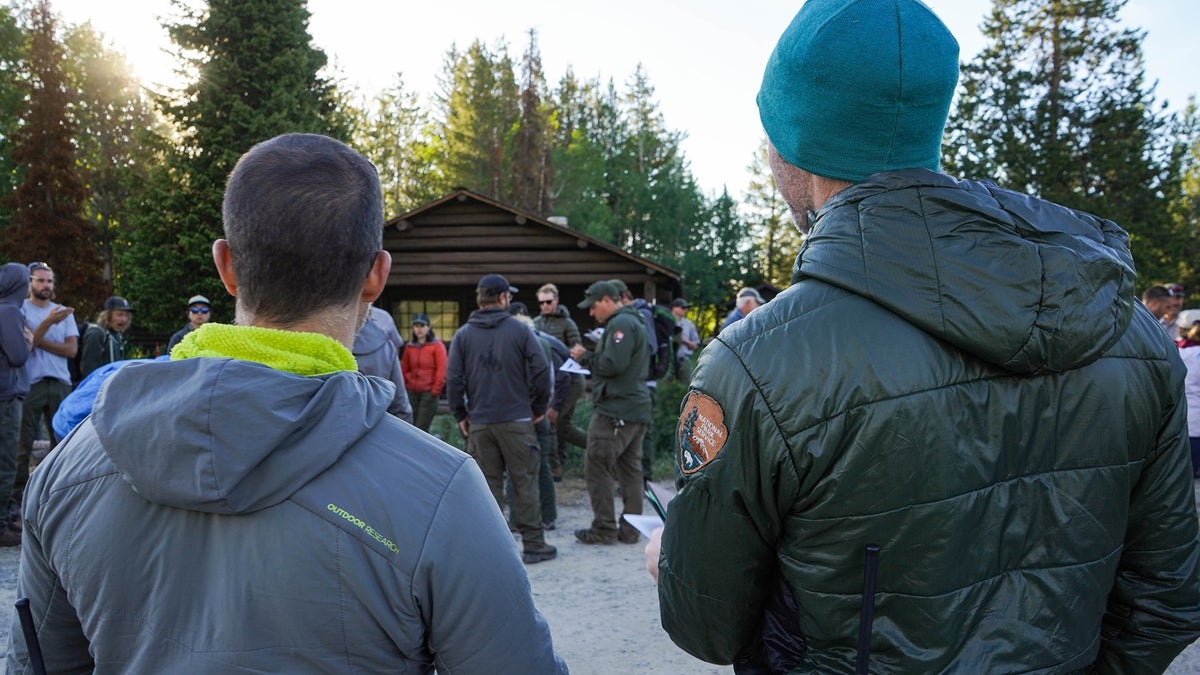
(478, 113)
(533, 172)
(114, 123)
(393, 136)
(585, 119)
(47, 207)
(13, 48)
(772, 228)
(1057, 106)
(256, 75)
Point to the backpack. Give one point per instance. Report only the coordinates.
(661, 352)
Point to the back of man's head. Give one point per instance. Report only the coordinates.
(855, 87)
(304, 219)
(1155, 294)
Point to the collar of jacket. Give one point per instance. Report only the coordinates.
(290, 351)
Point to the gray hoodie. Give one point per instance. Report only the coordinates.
(14, 350)
(377, 356)
(215, 515)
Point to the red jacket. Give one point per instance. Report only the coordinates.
(424, 366)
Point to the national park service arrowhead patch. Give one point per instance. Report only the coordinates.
(702, 432)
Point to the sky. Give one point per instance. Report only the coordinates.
(704, 57)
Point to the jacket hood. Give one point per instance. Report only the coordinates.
(14, 283)
(488, 318)
(228, 436)
(369, 339)
(1019, 282)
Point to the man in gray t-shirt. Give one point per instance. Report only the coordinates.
(55, 341)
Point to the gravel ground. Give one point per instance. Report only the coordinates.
(599, 601)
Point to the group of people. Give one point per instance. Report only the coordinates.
(42, 357)
(956, 443)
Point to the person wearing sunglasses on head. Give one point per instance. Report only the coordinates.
(199, 312)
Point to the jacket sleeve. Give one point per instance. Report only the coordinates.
(1153, 609)
(539, 373)
(613, 356)
(408, 364)
(562, 384)
(722, 528)
(92, 350)
(60, 634)
(485, 620)
(571, 333)
(439, 363)
(455, 380)
(400, 407)
(13, 346)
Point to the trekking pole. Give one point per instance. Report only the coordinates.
(31, 639)
(868, 610)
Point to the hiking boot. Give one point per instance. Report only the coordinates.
(590, 536)
(10, 537)
(531, 556)
(628, 536)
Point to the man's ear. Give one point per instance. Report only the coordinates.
(377, 278)
(223, 259)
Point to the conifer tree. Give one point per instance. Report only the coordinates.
(254, 74)
(1057, 106)
(478, 113)
(13, 43)
(774, 232)
(533, 172)
(393, 135)
(47, 207)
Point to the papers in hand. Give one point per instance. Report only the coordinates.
(645, 523)
(572, 366)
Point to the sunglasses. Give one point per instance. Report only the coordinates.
(35, 266)
(1175, 291)
(545, 302)
(198, 310)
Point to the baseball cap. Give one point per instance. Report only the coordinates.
(198, 300)
(495, 284)
(680, 302)
(619, 285)
(751, 293)
(518, 308)
(117, 302)
(422, 319)
(600, 289)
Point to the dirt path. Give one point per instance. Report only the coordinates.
(601, 604)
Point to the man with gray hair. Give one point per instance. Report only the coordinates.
(249, 505)
(957, 421)
(747, 300)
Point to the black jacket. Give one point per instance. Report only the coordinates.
(496, 371)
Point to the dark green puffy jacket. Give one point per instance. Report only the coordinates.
(960, 375)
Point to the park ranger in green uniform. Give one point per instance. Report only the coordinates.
(621, 409)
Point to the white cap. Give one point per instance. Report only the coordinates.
(1187, 317)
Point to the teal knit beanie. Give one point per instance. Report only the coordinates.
(856, 87)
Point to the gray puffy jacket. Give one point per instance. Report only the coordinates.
(215, 515)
